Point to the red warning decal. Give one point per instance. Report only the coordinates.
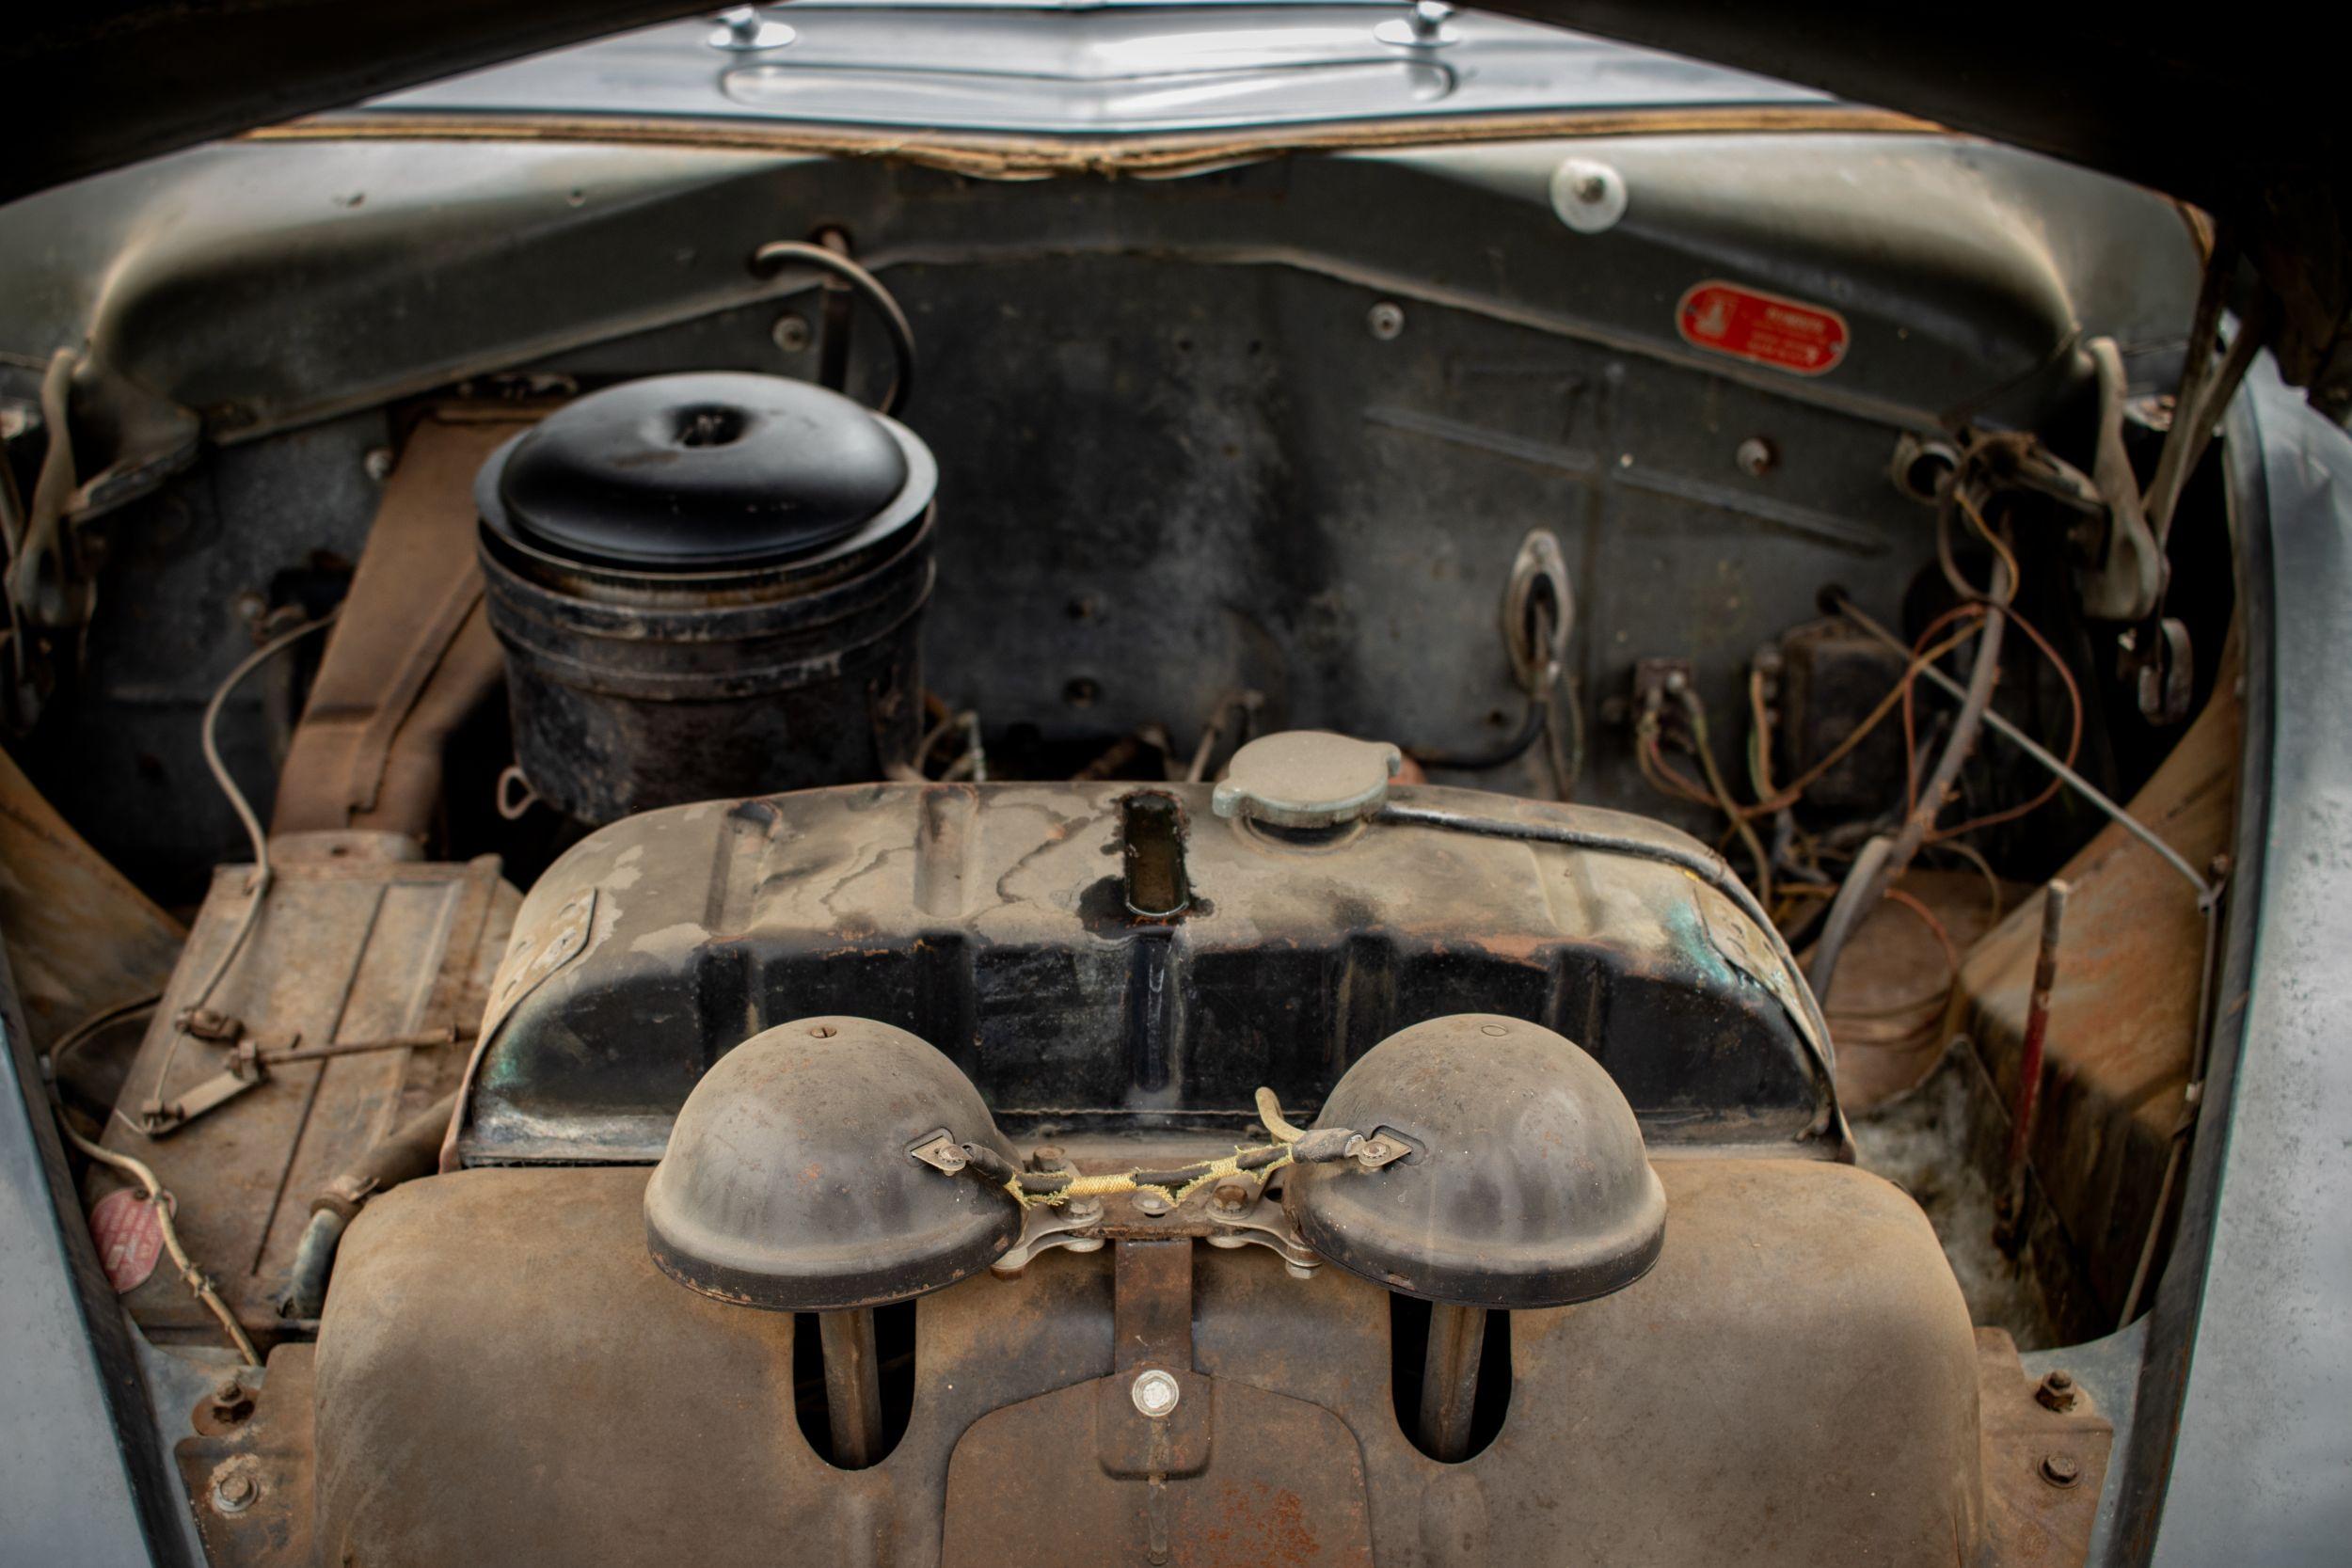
(130, 1235)
(1747, 324)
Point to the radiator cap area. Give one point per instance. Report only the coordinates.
(1526, 1185)
(788, 1181)
(1308, 780)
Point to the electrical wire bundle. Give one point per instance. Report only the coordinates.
(1790, 869)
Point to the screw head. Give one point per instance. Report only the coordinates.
(2060, 1469)
(1230, 1196)
(742, 28)
(377, 461)
(1756, 457)
(1386, 321)
(235, 1492)
(1155, 1393)
(1587, 196)
(1150, 1201)
(790, 332)
(1422, 27)
(823, 1031)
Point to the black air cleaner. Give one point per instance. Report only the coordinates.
(708, 586)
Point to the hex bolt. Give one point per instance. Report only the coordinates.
(1155, 1393)
(1756, 457)
(1150, 1201)
(2060, 1469)
(1230, 1196)
(1385, 319)
(2057, 1392)
(231, 1402)
(235, 1492)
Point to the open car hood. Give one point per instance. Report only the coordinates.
(2230, 118)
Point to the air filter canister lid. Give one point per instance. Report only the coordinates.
(695, 473)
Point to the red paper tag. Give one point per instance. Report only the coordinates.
(130, 1237)
(1746, 324)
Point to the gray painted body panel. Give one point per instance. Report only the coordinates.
(68, 1493)
(2262, 1469)
(1096, 69)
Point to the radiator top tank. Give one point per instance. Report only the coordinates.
(1106, 958)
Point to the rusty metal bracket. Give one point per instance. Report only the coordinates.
(1288, 1487)
(251, 1057)
(245, 1070)
(1232, 1213)
(2045, 1450)
(249, 1480)
(941, 1151)
(414, 655)
(564, 939)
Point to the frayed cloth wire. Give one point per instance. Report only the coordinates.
(1291, 1146)
(196, 1278)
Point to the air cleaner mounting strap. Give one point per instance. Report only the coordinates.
(1161, 1488)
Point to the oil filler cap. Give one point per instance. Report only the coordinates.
(1307, 779)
